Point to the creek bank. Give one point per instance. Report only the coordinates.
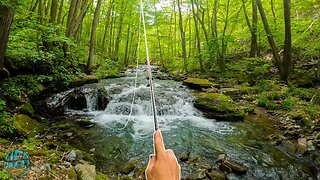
(298, 133)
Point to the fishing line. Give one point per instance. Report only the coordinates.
(136, 77)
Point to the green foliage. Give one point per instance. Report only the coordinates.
(4, 175)
(6, 125)
(312, 109)
(289, 103)
(24, 85)
(2, 105)
(29, 144)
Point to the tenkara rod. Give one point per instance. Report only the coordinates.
(155, 121)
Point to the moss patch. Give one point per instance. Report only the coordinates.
(195, 83)
(27, 109)
(27, 126)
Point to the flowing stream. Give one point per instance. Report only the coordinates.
(183, 127)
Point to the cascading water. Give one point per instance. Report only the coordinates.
(183, 127)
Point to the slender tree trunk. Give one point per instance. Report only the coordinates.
(6, 18)
(274, 14)
(103, 48)
(158, 36)
(53, 12)
(48, 5)
(118, 38)
(254, 39)
(93, 36)
(197, 36)
(60, 12)
(40, 13)
(287, 53)
(269, 34)
(183, 40)
(253, 28)
(126, 60)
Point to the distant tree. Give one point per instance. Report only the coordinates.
(93, 36)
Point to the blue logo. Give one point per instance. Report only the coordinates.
(17, 163)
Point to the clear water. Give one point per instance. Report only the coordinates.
(184, 130)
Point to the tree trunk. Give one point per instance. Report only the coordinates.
(53, 12)
(197, 36)
(103, 49)
(269, 35)
(93, 36)
(60, 12)
(183, 40)
(254, 38)
(118, 38)
(40, 12)
(287, 53)
(48, 5)
(6, 17)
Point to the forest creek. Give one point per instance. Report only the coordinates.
(236, 88)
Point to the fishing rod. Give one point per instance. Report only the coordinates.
(155, 120)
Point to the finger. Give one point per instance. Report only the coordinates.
(158, 144)
(171, 155)
(152, 161)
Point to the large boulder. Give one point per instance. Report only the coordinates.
(199, 84)
(77, 100)
(219, 107)
(27, 126)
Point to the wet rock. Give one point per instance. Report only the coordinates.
(216, 175)
(49, 137)
(199, 84)
(224, 168)
(219, 107)
(185, 156)
(72, 156)
(86, 171)
(69, 134)
(27, 126)
(289, 147)
(76, 100)
(194, 160)
(302, 145)
(126, 168)
(103, 100)
(234, 167)
(221, 158)
(198, 175)
(85, 123)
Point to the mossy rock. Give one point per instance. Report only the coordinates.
(101, 176)
(27, 109)
(218, 106)
(27, 126)
(301, 117)
(72, 174)
(85, 123)
(80, 81)
(62, 127)
(126, 168)
(4, 142)
(195, 83)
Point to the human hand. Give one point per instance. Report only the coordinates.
(163, 165)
